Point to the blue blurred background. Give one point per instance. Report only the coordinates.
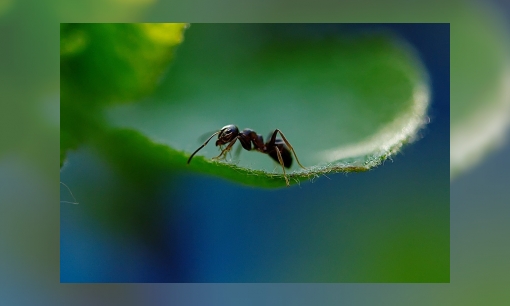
(391, 224)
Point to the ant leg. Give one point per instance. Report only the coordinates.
(205, 143)
(288, 145)
(224, 155)
(227, 149)
(281, 163)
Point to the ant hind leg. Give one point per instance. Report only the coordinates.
(290, 147)
(283, 168)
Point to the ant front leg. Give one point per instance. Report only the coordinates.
(227, 149)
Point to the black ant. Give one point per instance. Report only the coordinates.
(275, 147)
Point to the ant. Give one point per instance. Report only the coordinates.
(274, 147)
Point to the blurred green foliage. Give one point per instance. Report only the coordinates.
(102, 64)
(480, 76)
(106, 63)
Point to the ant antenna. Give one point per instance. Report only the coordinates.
(205, 143)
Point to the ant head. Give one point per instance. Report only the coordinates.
(227, 134)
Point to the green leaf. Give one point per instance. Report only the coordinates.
(344, 103)
(142, 160)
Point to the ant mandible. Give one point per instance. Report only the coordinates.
(274, 147)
